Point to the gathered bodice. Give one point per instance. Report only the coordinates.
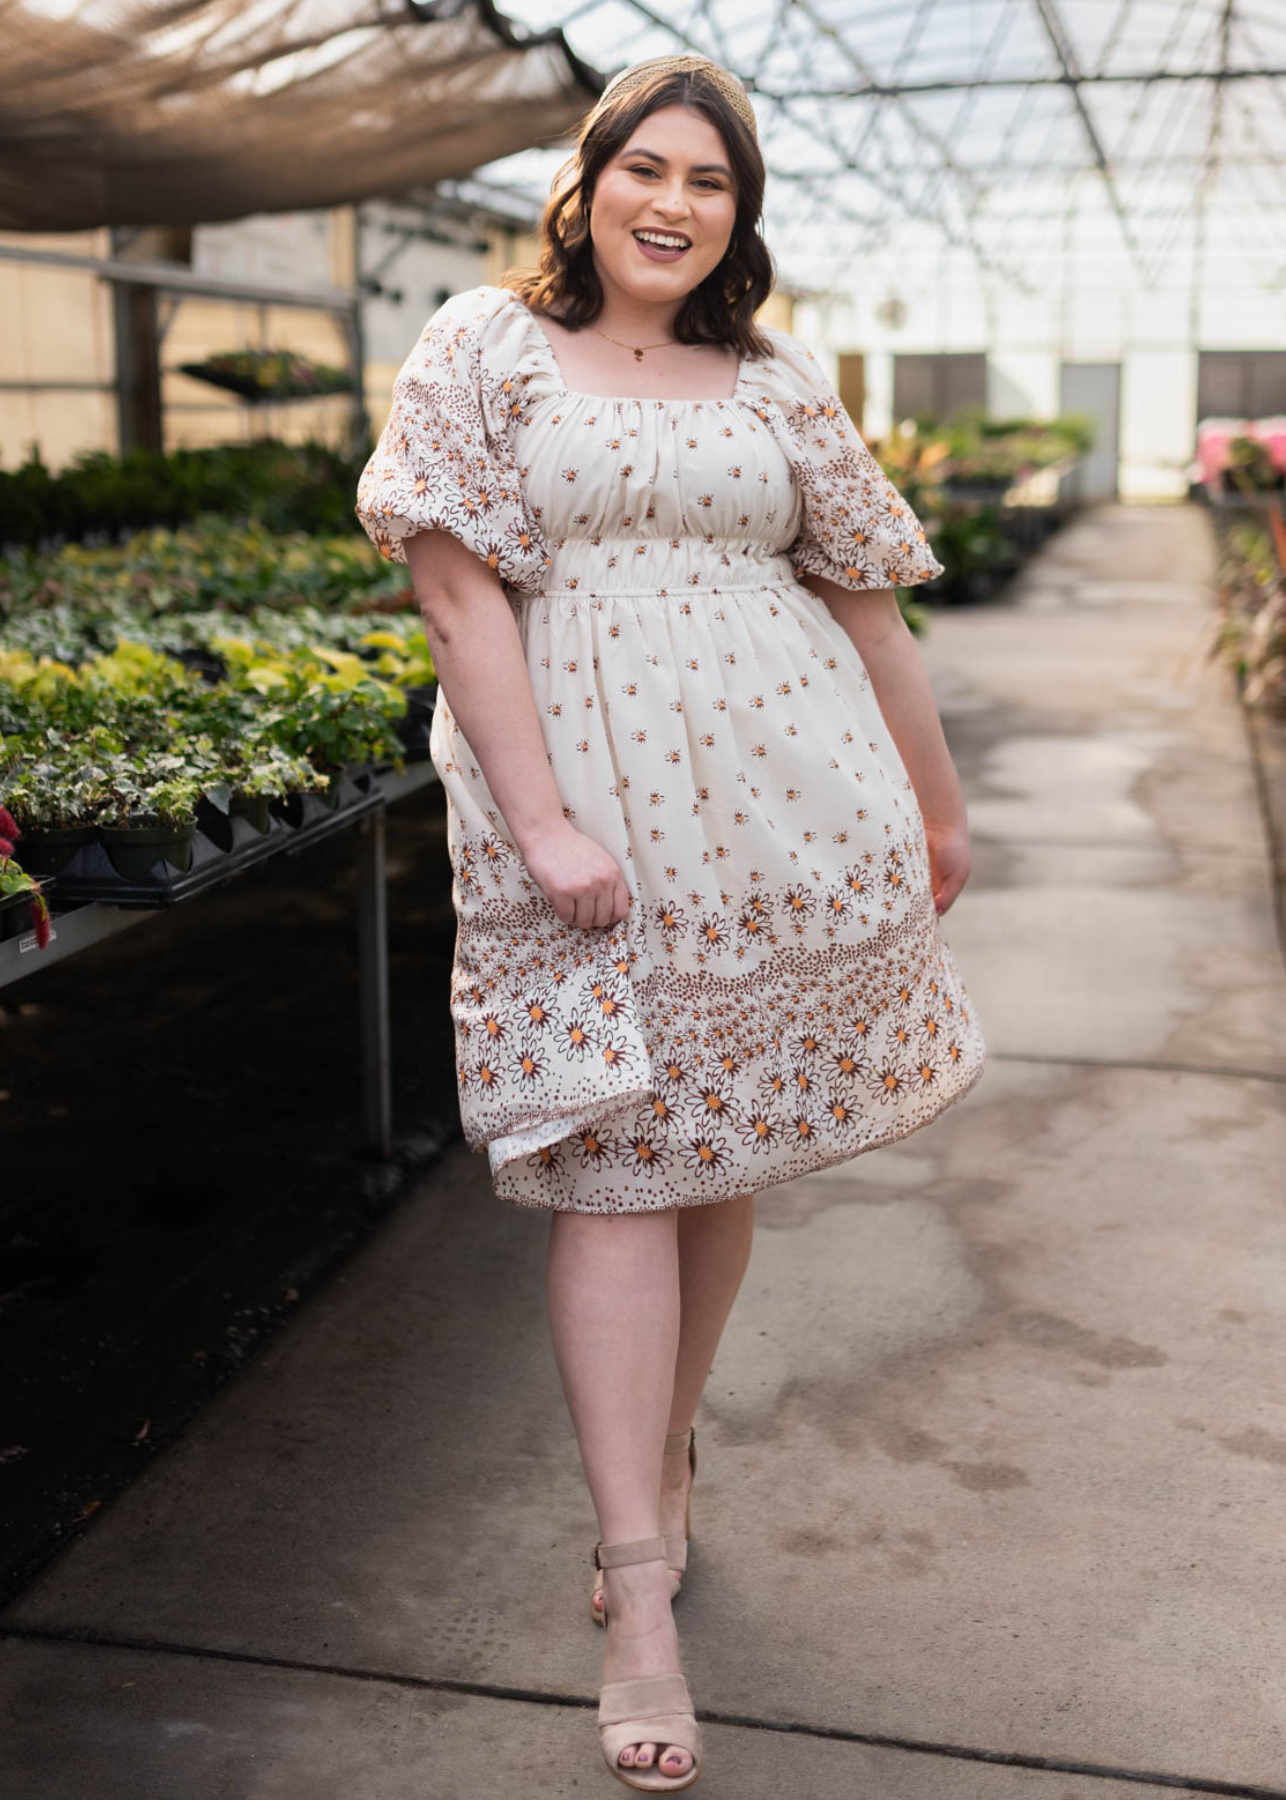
(653, 496)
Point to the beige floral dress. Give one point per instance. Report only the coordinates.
(779, 996)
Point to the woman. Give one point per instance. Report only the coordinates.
(701, 815)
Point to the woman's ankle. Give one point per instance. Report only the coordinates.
(636, 1587)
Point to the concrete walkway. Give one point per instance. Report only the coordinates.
(990, 1501)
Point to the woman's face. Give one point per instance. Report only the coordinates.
(671, 176)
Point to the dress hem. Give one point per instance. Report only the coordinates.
(555, 1125)
(893, 1135)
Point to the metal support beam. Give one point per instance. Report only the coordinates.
(963, 176)
(1067, 57)
(57, 387)
(889, 90)
(353, 325)
(138, 377)
(1203, 186)
(174, 278)
(372, 965)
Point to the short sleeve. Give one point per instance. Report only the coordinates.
(855, 527)
(445, 458)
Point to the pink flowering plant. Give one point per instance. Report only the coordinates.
(15, 880)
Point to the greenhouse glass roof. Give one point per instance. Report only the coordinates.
(1137, 143)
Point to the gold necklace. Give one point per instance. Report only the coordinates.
(638, 349)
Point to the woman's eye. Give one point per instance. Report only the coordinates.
(705, 179)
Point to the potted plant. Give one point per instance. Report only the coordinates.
(55, 802)
(408, 663)
(1250, 468)
(269, 774)
(144, 823)
(342, 722)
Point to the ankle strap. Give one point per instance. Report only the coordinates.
(677, 1441)
(612, 1556)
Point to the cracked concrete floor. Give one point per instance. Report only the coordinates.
(989, 1499)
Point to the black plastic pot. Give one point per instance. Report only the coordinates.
(17, 911)
(134, 850)
(255, 807)
(1232, 486)
(44, 852)
(346, 785)
(206, 663)
(414, 726)
(212, 823)
(289, 809)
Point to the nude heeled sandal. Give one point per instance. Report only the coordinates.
(676, 1548)
(650, 1709)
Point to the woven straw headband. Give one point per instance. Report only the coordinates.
(727, 84)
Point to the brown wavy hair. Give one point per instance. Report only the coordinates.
(565, 284)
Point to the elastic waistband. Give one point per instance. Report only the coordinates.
(588, 592)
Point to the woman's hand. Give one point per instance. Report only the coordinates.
(948, 862)
(580, 880)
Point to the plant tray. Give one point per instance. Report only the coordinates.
(90, 876)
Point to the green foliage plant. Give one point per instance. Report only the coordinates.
(284, 487)
(1248, 630)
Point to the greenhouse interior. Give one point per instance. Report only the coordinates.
(1036, 251)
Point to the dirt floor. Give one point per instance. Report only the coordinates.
(180, 1113)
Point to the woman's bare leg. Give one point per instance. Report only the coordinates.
(713, 1251)
(613, 1291)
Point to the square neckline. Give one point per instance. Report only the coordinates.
(565, 392)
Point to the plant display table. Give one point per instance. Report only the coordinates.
(363, 804)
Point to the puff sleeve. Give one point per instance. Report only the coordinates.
(445, 458)
(855, 527)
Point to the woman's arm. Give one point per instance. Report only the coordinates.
(482, 672)
(883, 640)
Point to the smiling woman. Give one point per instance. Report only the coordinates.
(670, 152)
(696, 877)
(665, 200)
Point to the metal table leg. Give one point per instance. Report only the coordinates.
(372, 958)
